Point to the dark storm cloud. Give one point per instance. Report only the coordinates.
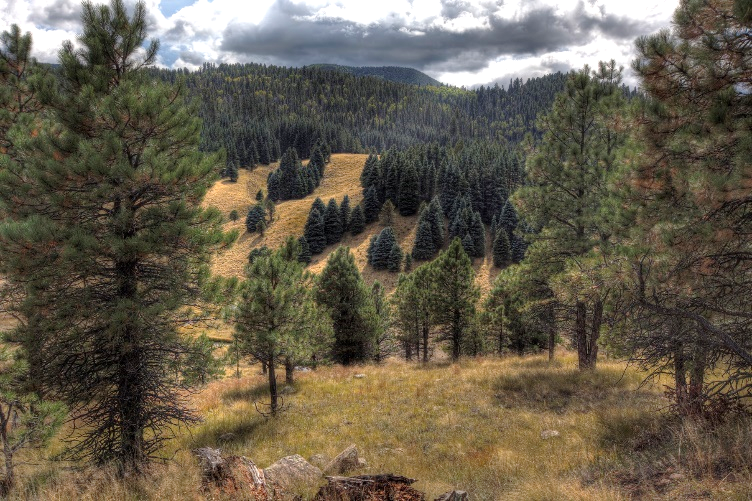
(291, 35)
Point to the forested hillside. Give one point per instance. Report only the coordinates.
(392, 73)
(256, 111)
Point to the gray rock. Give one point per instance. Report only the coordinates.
(546, 434)
(319, 461)
(359, 376)
(292, 473)
(344, 463)
(453, 496)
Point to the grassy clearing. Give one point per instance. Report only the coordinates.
(342, 177)
(475, 426)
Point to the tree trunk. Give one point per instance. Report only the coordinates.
(9, 480)
(551, 332)
(595, 334)
(680, 381)
(580, 330)
(408, 350)
(696, 396)
(456, 337)
(426, 330)
(272, 389)
(264, 369)
(289, 371)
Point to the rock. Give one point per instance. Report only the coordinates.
(546, 434)
(359, 376)
(453, 496)
(362, 463)
(676, 476)
(319, 461)
(292, 473)
(344, 463)
(230, 476)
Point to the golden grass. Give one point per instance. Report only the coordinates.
(341, 177)
(475, 425)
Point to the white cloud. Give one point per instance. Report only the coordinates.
(197, 31)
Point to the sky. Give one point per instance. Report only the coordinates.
(458, 42)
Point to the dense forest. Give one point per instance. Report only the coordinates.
(256, 112)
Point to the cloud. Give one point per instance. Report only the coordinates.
(294, 34)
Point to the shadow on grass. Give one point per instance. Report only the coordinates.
(227, 435)
(249, 394)
(560, 390)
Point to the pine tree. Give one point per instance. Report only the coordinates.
(232, 172)
(357, 221)
(371, 205)
(260, 195)
(436, 218)
(314, 231)
(277, 320)
(408, 263)
(387, 214)
(340, 288)
(318, 204)
(468, 245)
(345, 214)
(508, 219)
(256, 214)
(332, 223)
(502, 250)
(478, 233)
(453, 293)
(305, 251)
(116, 283)
(409, 191)
(423, 248)
(382, 247)
(394, 263)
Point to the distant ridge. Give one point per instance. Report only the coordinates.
(391, 73)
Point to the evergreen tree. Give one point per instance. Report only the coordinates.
(394, 263)
(332, 223)
(508, 219)
(391, 185)
(260, 195)
(357, 221)
(256, 214)
(232, 172)
(408, 263)
(502, 250)
(436, 218)
(409, 192)
(318, 204)
(314, 231)
(378, 255)
(453, 293)
(371, 205)
(345, 214)
(387, 214)
(423, 248)
(370, 175)
(305, 251)
(120, 251)
(277, 320)
(469, 245)
(341, 289)
(478, 233)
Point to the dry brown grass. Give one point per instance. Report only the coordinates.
(475, 425)
(342, 177)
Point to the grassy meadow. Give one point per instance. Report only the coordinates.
(477, 425)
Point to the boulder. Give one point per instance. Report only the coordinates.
(453, 496)
(319, 461)
(344, 463)
(546, 434)
(292, 473)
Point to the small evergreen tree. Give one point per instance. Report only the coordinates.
(314, 232)
(371, 205)
(394, 262)
(387, 214)
(381, 248)
(409, 192)
(345, 214)
(478, 233)
(332, 223)
(259, 195)
(423, 248)
(357, 221)
(408, 263)
(255, 215)
(469, 245)
(232, 172)
(502, 250)
(305, 251)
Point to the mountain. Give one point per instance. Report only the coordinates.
(397, 74)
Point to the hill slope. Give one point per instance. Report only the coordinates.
(397, 74)
(341, 177)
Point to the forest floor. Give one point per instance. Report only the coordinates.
(480, 425)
